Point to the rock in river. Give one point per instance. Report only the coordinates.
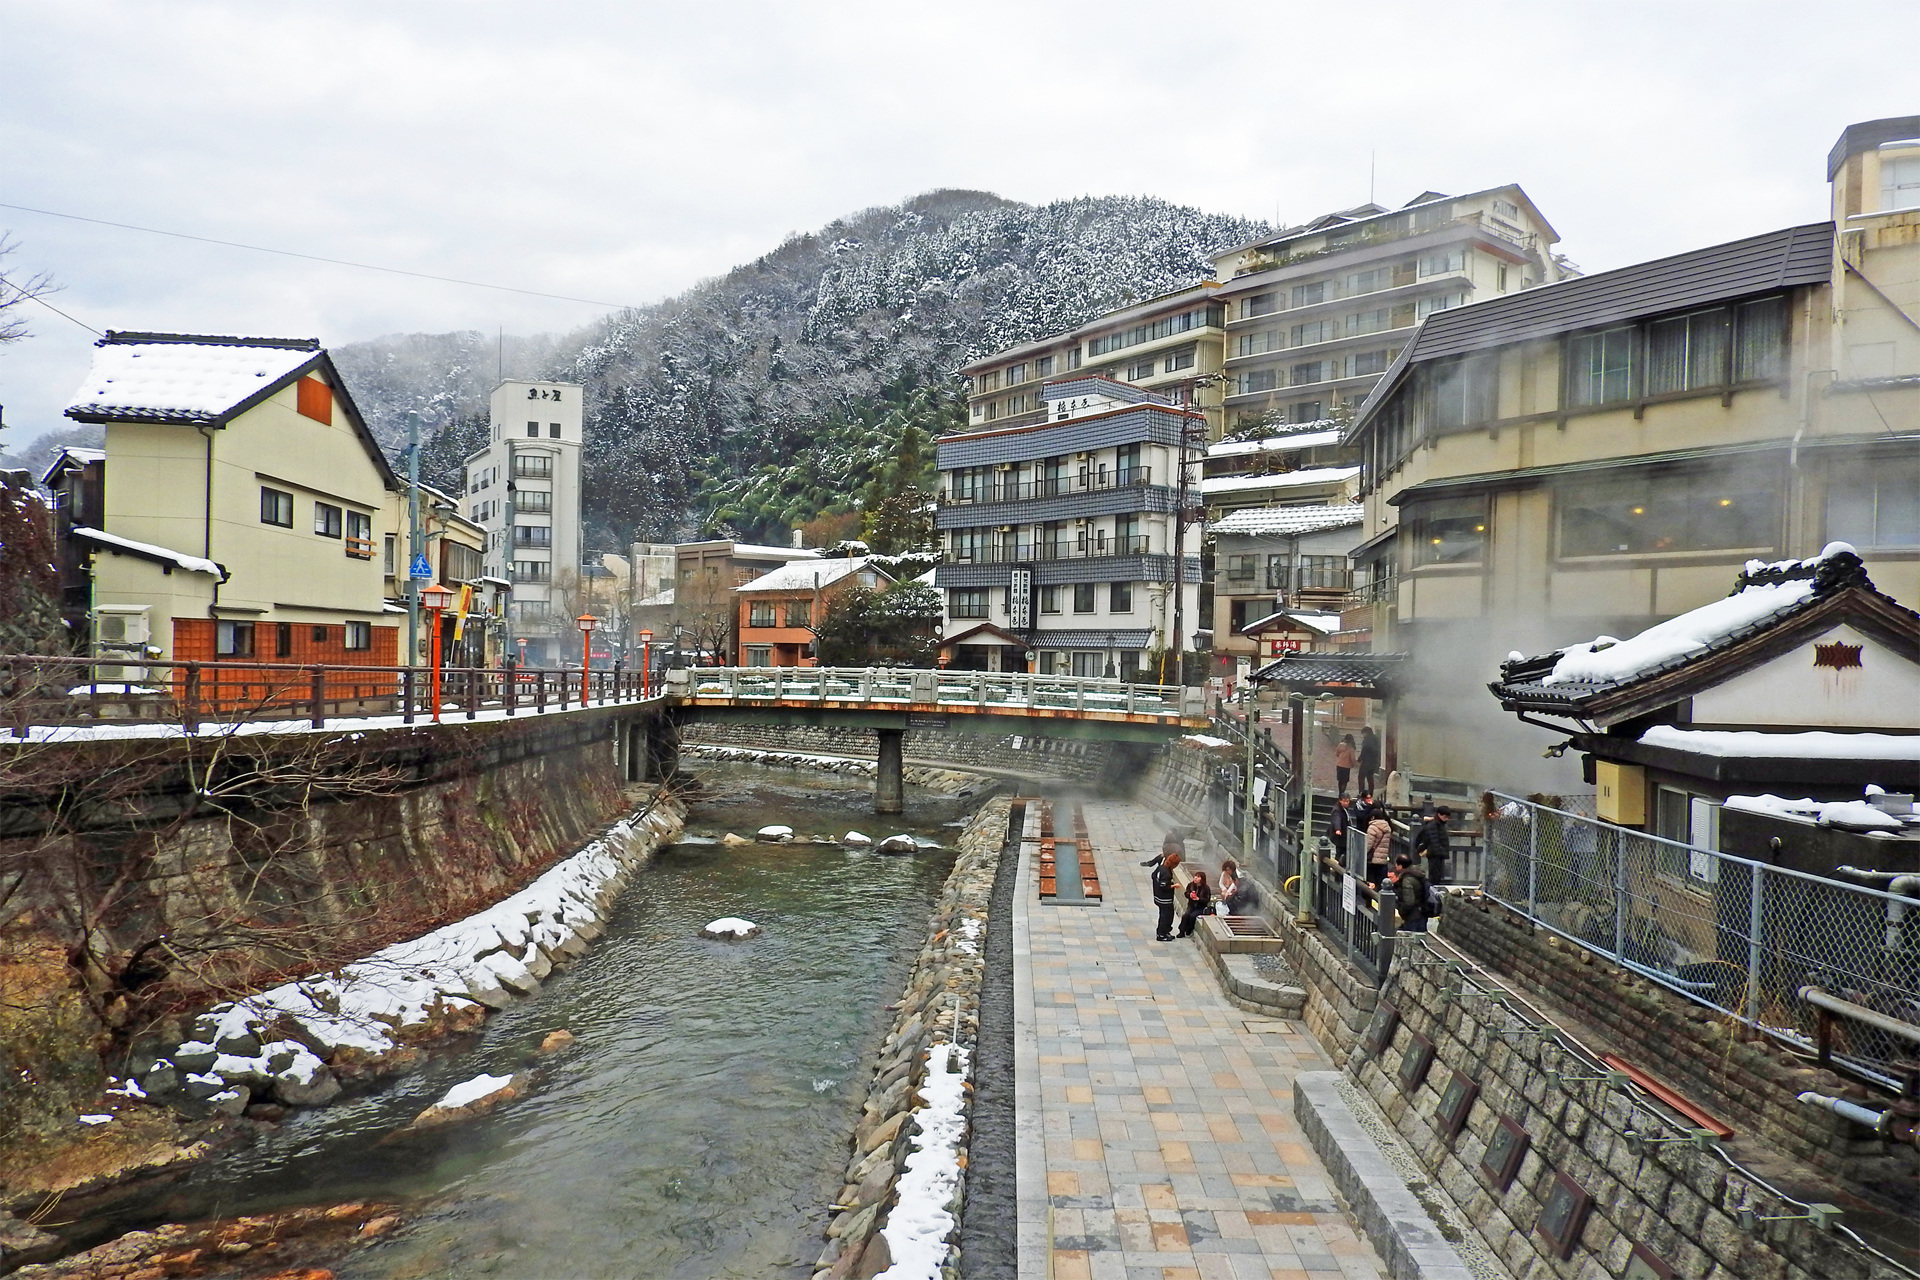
(899, 844)
(775, 834)
(730, 928)
(856, 839)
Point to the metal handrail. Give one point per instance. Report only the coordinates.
(1012, 691)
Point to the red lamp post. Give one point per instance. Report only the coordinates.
(586, 622)
(646, 655)
(435, 598)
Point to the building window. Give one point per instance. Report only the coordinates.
(532, 535)
(1306, 295)
(533, 431)
(1088, 664)
(761, 613)
(327, 521)
(971, 603)
(1120, 597)
(1182, 358)
(1651, 514)
(359, 636)
(1450, 531)
(1050, 599)
(1309, 411)
(1760, 341)
(1253, 344)
(232, 639)
(1016, 374)
(533, 571)
(534, 608)
(1073, 358)
(533, 501)
(360, 535)
(1043, 367)
(464, 563)
(553, 430)
(1685, 353)
(276, 508)
(1369, 321)
(1259, 304)
(389, 561)
(319, 635)
(1309, 371)
(1441, 264)
(1140, 369)
(1278, 563)
(1367, 363)
(1465, 391)
(1083, 597)
(533, 466)
(1258, 380)
(1313, 331)
(1877, 510)
(759, 655)
(1241, 568)
(1600, 367)
(799, 613)
(283, 639)
(1900, 184)
(1500, 278)
(1322, 573)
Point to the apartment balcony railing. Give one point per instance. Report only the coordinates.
(1139, 544)
(1027, 490)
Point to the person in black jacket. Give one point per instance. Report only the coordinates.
(1369, 761)
(1199, 896)
(1409, 894)
(1163, 890)
(1431, 842)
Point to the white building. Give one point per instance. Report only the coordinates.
(523, 488)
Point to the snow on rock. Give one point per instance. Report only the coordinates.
(730, 927)
(856, 839)
(899, 844)
(471, 1091)
(921, 1220)
(1816, 744)
(775, 834)
(969, 939)
(471, 1098)
(732, 841)
(1604, 659)
(98, 1119)
(1857, 814)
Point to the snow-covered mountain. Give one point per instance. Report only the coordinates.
(758, 365)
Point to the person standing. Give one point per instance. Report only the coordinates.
(1379, 848)
(1163, 885)
(1199, 898)
(1432, 842)
(1343, 756)
(1339, 821)
(1369, 760)
(1409, 895)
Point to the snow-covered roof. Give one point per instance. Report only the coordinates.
(804, 575)
(1289, 520)
(659, 600)
(148, 551)
(184, 378)
(1858, 814)
(1809, 745)
(77, 455)
(1282, 480)
(1325, 623)
(1273, 444)
(789, 553)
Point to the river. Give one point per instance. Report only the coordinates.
(698, 1127)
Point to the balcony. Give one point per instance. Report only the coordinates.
(1138, 544)
(1026, 490)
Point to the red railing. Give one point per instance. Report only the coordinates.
(45, 691)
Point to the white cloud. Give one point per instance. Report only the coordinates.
(624, 151)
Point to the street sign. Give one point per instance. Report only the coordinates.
(1349, 895)
(420, 570)
(1020, 598)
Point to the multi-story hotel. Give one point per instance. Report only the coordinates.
(1593, 458)
(1316, 314)
(523, 488)
(1062, 535)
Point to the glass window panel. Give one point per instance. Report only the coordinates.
(1451, 531)
(1655, 514)
(1760, 341)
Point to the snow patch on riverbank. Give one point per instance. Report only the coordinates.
(922, 1217)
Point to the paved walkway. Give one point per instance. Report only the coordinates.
(1155, 1123)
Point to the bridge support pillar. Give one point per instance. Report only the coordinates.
(889, 785)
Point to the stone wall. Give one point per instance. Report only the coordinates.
(941, 1006)
(1680, 1202)
(432, 823)
(1752, 1084)
(1068, 759)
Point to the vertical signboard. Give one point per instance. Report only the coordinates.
(1020, 598)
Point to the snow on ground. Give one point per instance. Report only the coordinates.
(119, 729)
(1811, 745)
(969, 939)
(1825, 813)
(473, 1090)
(921, 1220)
(1204, 740)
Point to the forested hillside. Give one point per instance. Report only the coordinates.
(779, 393)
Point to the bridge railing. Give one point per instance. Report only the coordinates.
(1012, 691)
(38, 691)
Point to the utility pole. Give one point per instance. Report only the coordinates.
(415, 543)
(1248, 833)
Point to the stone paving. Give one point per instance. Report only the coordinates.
(1155, 1121)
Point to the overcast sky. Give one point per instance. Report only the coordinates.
(619, 152)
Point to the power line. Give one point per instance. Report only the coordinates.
(310, 257)
(34, 297)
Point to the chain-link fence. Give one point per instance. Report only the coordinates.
(1738, 936)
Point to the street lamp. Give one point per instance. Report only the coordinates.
(586, 622)
(646, 658)
(435, 598)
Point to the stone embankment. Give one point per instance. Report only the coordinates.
(906, 1176)
(950, 781)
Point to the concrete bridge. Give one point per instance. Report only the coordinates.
(892, 700)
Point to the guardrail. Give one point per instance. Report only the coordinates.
(970, 690)
(126, 690)
(1740, 937)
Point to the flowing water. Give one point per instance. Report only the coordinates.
(698, 1126)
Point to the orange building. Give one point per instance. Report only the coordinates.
(779, 611)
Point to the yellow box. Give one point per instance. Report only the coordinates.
(1623, 793)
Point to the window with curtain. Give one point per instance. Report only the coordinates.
(761, 613)
(1600, 366)
(1880, 508)
(1686, 353)
(1760, 338)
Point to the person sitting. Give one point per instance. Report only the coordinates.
(1236, 892)
(1199, 900)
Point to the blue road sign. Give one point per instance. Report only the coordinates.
(420, 571)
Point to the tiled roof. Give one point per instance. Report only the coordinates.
(185, 378)
(1278, 480)
(1130, 638)
(1362, 671)
(1303, 519)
